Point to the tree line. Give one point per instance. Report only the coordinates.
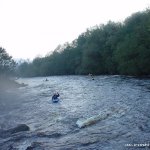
(112, 48)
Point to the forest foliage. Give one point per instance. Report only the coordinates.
(112, 48)
(7, 64)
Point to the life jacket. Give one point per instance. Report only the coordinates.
(55, 96)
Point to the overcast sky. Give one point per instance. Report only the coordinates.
(29, 28)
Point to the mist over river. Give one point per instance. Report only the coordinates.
(52, 126)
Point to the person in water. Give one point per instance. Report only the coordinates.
(91, 75)
(55, 96)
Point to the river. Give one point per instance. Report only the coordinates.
(124, 100)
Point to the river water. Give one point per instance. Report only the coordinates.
(53, 126)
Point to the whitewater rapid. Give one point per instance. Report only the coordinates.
(108, 112)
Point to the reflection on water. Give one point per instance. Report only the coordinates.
(53, 126)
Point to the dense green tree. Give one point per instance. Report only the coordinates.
(133, 51)
(98, 50)
(7, 64)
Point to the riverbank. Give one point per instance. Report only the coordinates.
(7, 83)
(9, 94)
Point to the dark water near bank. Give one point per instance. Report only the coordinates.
(53, 126)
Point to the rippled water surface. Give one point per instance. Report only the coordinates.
(53, 126)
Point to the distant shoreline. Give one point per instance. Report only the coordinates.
(130, 76)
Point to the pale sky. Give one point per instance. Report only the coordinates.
(29, 28)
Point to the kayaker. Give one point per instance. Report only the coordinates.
(55, 96)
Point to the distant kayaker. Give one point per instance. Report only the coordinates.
(91, 75)
(55, 96)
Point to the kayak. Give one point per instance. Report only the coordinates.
(55, 100)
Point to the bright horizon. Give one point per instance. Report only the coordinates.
(30, 28)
